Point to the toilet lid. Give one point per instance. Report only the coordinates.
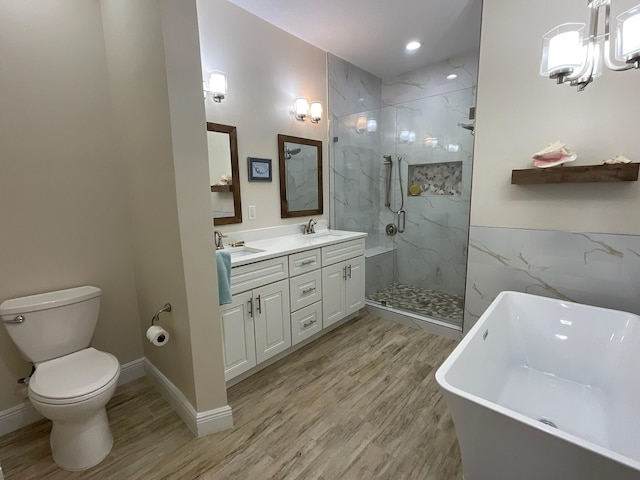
(74, 375)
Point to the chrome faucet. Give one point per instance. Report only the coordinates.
(309, 227)
(217, 236)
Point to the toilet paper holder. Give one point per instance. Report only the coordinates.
(156, 318)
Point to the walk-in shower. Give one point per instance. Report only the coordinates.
(407, 184)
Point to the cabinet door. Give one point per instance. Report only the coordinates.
(354, 285)
(238, 340)
(333, 299)
(272, 319)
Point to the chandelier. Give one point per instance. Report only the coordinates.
(573, 53)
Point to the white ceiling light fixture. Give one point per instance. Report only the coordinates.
(413, 45)
(573, 53)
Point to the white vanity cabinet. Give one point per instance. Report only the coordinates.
(342, 280)
(257, 324)
(305, 285)
(282, 301)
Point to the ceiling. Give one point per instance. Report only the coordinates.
(372, 34)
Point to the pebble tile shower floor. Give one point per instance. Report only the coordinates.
(430, 303)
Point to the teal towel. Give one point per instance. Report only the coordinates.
(223, 262)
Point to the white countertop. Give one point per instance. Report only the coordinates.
(258, 250)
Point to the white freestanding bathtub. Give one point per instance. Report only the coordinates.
(543, 389)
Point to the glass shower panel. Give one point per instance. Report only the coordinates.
(436, 176)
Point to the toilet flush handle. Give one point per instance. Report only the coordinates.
(17, 319)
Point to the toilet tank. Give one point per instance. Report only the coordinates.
(55, 323)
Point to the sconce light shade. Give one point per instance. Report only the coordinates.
(372, 125)
(301, 108)
(404, 136)
(412, 136)
(218, 86)
(361, 124)
(628, 35)
(315, 112)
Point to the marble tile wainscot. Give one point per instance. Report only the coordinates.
(593, 268)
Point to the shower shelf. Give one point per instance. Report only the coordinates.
(622, 172)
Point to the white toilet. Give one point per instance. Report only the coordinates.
(72, 382)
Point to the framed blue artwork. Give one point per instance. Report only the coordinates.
(259, 169)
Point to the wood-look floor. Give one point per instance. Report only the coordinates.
(359, 403)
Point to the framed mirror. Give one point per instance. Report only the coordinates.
(223, 173)
(300, 176)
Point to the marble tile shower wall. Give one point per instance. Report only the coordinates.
(355, 157)
(597, 269)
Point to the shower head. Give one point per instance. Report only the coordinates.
(387, 159)
(289, 152)
(468, 126)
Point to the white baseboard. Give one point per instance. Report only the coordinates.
(24, 414)
(17, 417)
(131, 371)
(200, 423)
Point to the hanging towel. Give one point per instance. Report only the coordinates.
(223, 262)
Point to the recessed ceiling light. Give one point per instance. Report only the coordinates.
(452, 76)
(413, 46)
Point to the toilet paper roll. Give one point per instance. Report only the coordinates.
(157, 335)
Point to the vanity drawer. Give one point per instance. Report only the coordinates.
(305, 289)
(253, 275)
(304, 262)
(342, 251)
(306, 322)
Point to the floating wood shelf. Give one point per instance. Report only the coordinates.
(621, 172)
(221, 188)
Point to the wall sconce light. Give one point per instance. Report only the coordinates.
(216, 87)
(431, 142)
(301, 108)
(364, 124)
(574, 55)
(315, 112)
(372, 125)
(407, 136)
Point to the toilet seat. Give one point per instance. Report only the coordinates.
(74, 378)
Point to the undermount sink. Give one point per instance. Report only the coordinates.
(323, 236)
(237, 252)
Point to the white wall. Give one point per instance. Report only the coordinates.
(62, 193)
(138, 79)
(267, 69)
(520, 112)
